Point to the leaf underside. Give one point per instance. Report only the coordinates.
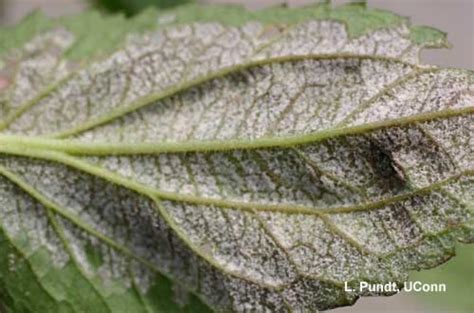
(219, 159)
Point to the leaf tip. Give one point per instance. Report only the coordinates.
(429, 37)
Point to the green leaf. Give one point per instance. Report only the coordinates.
(219, 159)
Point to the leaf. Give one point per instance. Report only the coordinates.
(228, 160)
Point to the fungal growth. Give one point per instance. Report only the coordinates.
(226, 160)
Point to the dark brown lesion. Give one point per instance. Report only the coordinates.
(386, 168)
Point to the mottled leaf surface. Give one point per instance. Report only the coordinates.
(220, 159)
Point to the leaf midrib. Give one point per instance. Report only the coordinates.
(159, 195)
(76, 147)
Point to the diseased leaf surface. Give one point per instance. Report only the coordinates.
(254, 163)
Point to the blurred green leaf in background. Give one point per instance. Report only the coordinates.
(131, 7)
(458, 276)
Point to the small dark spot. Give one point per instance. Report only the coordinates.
(351, 69)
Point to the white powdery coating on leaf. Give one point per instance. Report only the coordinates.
(36, 66)
(22, 217)
(236, 241)
(424, 93)
(158, 61)
(273, 100)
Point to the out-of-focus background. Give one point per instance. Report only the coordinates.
(456, 17)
